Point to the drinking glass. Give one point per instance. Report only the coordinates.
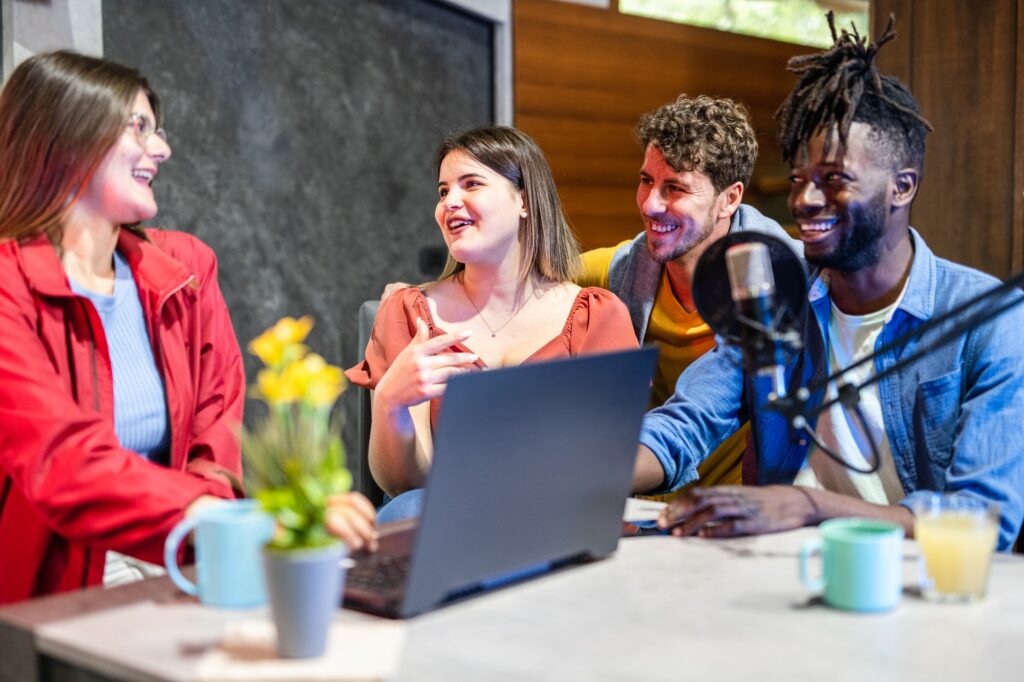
(957, 535)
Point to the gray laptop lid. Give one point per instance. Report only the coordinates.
(532, 464)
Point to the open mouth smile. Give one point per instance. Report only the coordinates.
(456, 224)
(144, 176)
(661, 228)
(817, 229)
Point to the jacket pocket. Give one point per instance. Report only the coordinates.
(936, 412)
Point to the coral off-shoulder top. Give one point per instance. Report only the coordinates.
(598, 322)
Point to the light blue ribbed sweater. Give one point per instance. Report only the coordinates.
(140, 404)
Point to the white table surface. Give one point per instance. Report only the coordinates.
(660, 608)
(665, 608)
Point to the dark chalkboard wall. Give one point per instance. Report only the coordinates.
(303, 134)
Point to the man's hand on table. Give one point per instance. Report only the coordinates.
(726, 511)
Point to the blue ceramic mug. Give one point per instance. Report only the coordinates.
(862, 564)
(229, 540)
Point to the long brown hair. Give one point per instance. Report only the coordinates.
(548, 245)
(60, 113)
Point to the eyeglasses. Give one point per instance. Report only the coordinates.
(144, 128)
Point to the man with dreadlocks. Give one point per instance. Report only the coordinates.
(952, 421)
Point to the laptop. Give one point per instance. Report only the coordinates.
(532, 467)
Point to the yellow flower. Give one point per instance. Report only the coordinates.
(277, 387)
(282, 342)
(294, 457)
(308, 378)
(318, 383)
(325, 386)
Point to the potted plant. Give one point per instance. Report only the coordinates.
(294, 463)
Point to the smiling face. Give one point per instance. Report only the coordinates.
(841, 202)
(679, 208)
(121, 190)
(479, 211)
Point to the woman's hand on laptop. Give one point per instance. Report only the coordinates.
(352, 518)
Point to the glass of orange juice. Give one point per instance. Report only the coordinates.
(957, 535)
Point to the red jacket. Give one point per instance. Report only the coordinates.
(68, 491)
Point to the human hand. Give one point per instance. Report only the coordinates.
(199, 503)
(726, 511)
(391, 288)
(352, 518)
(421, 371)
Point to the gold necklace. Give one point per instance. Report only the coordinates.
(492, 330)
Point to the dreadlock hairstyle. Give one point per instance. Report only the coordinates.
(841, 86)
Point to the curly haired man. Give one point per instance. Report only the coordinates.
(699, 153)
(949, 420)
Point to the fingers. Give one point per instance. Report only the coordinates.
(421, 371)
(435, 371)
(710, 512)
(353, 531)
(440, 343)
(449, 360)
(729, 529)
(433, 346)
(679, 510)
(361, 503)
(422, 331)
(696, 524)
(434, 365)
(351, 517)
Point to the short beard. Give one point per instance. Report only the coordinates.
(690, 244)
(861, 245)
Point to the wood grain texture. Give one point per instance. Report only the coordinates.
(963, 60)
(1017, 231)
(584, 75)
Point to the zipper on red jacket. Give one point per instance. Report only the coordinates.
(95, 375)
(3, 495)
(96, 403)
(158, 354)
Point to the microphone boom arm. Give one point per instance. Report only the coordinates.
(795, 407)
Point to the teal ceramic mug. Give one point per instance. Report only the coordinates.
(862, 564)
(229, 540)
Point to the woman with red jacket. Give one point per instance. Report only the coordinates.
(121, 382)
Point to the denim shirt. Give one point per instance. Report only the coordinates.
(954, 417)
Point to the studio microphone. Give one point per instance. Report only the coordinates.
(752, 285)
(751, 289)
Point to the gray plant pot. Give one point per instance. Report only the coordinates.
(305, 591)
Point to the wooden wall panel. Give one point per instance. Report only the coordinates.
(962, 60)
(1017, 231)
(584, 75)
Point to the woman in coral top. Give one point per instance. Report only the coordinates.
(505, 297)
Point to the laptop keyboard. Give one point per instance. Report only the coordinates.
(380, 573)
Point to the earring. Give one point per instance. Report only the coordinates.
(523, 213)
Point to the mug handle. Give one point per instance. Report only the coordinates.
(809, 549)
(174, 538)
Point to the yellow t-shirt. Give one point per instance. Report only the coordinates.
(681, 337)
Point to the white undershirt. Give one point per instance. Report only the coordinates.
(851, 337)
(121, 569)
